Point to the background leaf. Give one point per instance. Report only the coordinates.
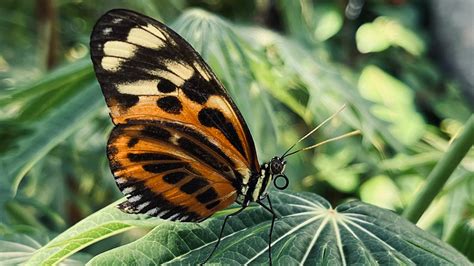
(69, 115)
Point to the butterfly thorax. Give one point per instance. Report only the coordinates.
(257, 189)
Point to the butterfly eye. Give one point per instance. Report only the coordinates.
(281, 186)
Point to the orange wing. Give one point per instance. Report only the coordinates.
(170, 171)
(155, 82)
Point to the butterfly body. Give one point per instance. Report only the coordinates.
(180, 149)
(258, 187)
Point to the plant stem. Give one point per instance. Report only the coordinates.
(48, 32)
(441, 172)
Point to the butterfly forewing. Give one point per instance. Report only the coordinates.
(180, 149)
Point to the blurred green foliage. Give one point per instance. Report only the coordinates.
(288, 65)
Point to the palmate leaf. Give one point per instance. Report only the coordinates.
(309, 231)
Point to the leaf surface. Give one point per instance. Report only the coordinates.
(103, 224)
(309, 232)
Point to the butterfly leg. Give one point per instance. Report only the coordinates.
(222, 231)
(271, 226)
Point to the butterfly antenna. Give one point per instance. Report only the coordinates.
(314, 130)
(352, 133)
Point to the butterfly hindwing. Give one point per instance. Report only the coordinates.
(170, 110)
(156, 167)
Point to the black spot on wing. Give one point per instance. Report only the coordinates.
(170, 104)
(132, 142)
(211, 117)
(156, 132)
(166, 86)
(197, 89)
(157, 168)
(207, 196)
(213, 204)
(125, 100)
(175, 177)
(194, 185)
(148, 156)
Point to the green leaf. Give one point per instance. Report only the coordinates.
(462, 238)
(385, 32)
(321, 80)
(408, 185)
(370, 38)
(337, 171)
(49, 132)
(394, 102)
(17, 250)
(459, 192)
(308, 231)
(381, 191)
(102, 224)
(329, 22)
(56, 80)
(49, 111)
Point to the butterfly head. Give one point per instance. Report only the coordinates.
(273, 170)
(277, 165)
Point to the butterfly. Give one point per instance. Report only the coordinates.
(180, 149)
